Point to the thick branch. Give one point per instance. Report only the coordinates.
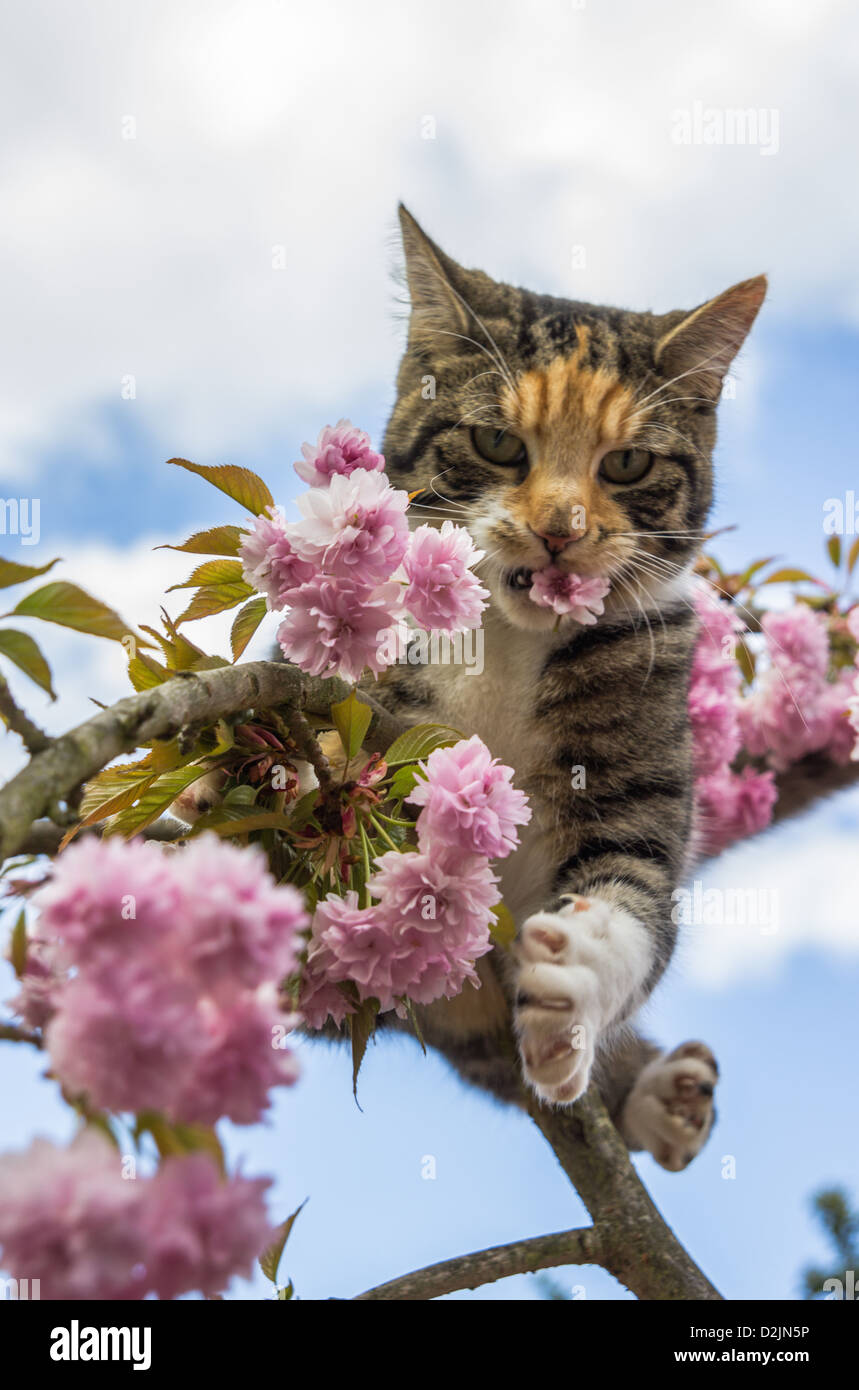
(195, 699)
(638, 1246)
(44, 837)
(581, 1247)
(809, 781)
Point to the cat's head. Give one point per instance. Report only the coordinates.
(559, 432)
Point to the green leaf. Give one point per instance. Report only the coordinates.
(69, 606)
(413, 1019)
(245, 624)
(214, 572)
(791, 576)
(403, 781)
(234, 820)
(269, 1260)
(220, 540)
(215, 598)
(362, 1025)
(752, 570)
(833, 548)
(419, 741)
(300, 813)
(18, 945)
(200, 1139)
(746, 661)
(145, 672)
(240, 484)
(853, 556)
(352, 719)
(503, 928)
(154, 799)
(167, 1141)
(286, 1293)
(114, 789)
(181, 654)
(20, 648)
(13, 573)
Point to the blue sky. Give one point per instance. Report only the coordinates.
(265, 126)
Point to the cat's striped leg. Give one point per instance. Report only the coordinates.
(660, 1101)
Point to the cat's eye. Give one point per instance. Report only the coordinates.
(626, 465)
(498, 446)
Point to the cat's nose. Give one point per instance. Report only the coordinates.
(555, 544)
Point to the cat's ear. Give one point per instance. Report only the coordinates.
(438, 286)
(701, 346)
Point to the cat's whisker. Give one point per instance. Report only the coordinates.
(643, 612)
(637, 561)
(690, 371)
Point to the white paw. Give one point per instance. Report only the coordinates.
(669, 1110)
(579, 970)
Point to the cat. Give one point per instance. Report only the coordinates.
(564, 433)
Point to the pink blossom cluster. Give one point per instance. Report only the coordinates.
(349, 571)
(795, 708)
(431, 921)
(730, 805)
(575, 596)
(155, 977)
(77, 1222)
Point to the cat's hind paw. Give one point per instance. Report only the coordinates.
(670, 1110)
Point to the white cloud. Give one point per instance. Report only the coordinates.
(272, 124)
(795, 889)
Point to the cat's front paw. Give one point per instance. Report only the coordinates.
(577, 968)
(670, 1110)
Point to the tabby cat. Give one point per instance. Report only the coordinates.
(563, 433)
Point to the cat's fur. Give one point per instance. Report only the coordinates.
(590, 887)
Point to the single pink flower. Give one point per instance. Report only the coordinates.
(469, 801)
(340, 448)
(337, 627)
(443, 594)
(319, 998)
(107, 894)
(238, 926)
(441, 901)
(69, 1220)
(269, 563)
(200, 1229)
(169, 1005)
(732, 805)
(241, 1060)
(355, 529)
(352, 943)
(125, 1034)
(575, 596)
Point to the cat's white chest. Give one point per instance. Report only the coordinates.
(498, 704)
(497, 701)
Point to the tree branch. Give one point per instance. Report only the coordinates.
(638, 1246)
(11, 1032)
(198, 698)
(810, 780)
(579, 1247)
